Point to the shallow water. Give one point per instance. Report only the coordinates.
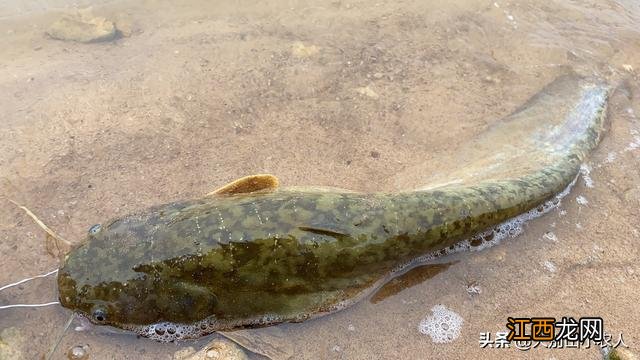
(350, 94)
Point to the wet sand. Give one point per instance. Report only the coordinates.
(345, 94)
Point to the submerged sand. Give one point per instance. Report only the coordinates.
(346, 94)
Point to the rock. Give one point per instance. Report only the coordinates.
(622, 354)
(82, 27)
(10, 344)
(124, 25)
(218, 349)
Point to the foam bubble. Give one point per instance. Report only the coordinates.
(443, 325)
(581, 200)
(169, 332)
(585, 170)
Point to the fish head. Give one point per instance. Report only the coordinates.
(177, 267)
(112, 280)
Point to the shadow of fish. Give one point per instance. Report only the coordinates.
(251, 254)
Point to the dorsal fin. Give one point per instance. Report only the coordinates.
(248, 184)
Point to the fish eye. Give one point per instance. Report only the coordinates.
(99, 315)
(94, 229)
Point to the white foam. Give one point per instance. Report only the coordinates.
(581, 200)
(443, 325)
(585, 170)
(169, 332)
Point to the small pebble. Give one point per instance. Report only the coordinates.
(622, 354)
(78, 352)
(367, 91)
(82, 27)
(550, 236)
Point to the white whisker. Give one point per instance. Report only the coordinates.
(28, 305)
(28, 279)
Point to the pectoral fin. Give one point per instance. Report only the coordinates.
(335, 233)
(248, 184)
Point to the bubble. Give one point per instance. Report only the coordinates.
(169, 332)
(581, 200)
(476, 241)
(160, 329)
(443, 325)
(585, 170)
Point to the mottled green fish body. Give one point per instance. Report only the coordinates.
(253, 259)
